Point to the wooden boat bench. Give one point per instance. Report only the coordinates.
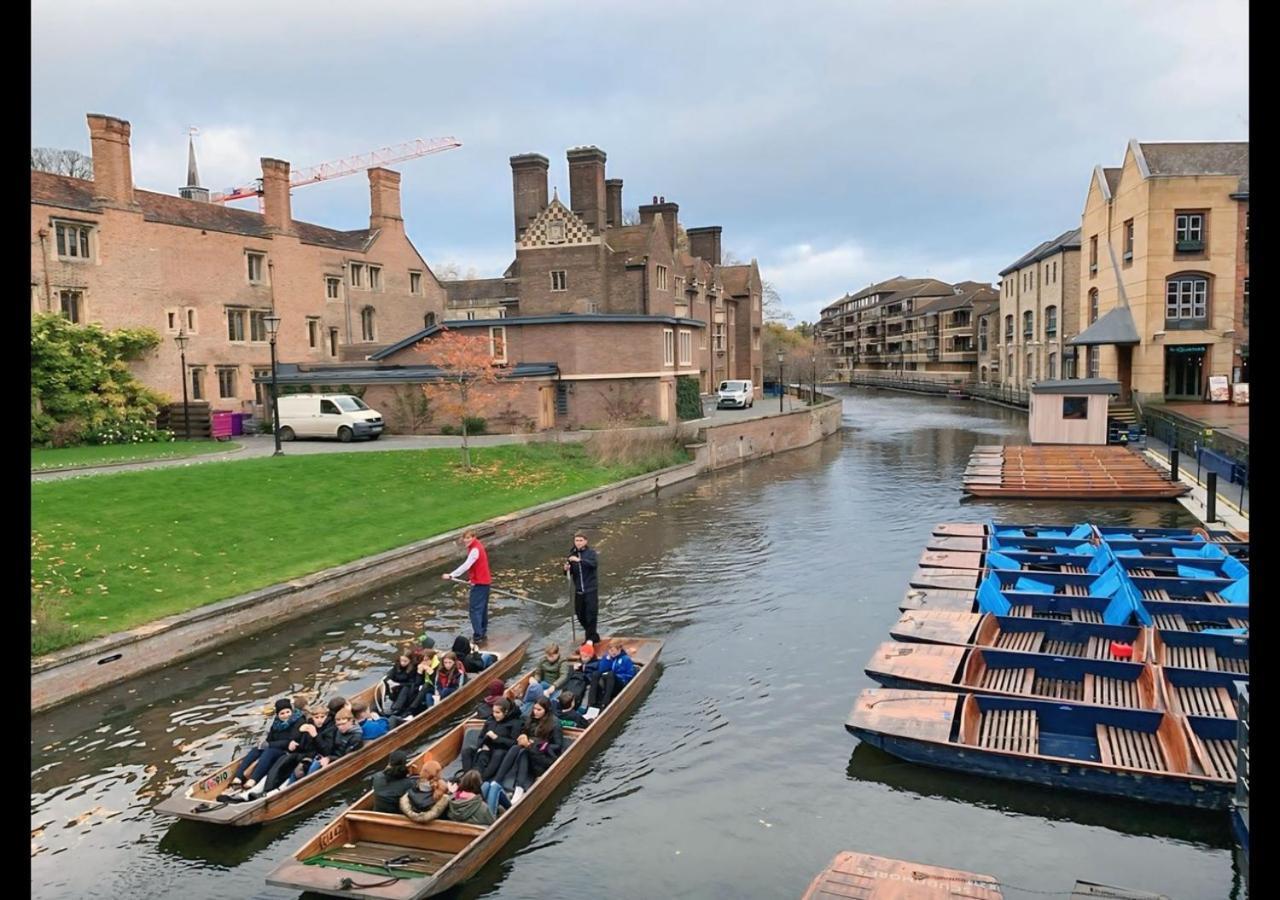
(1217, 758)
(1103, 691)
(1130, 749)
(1098, 648)
(1170, 621)
(1023, 641)
(1204, 701)
(1233, 665)
(1205, 658)
(1064, 648)
(1086, 615)
(1017, 730)
(1058, 689)
(1008, 680)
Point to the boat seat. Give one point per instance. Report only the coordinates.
(1205, 701)
(1086, 615)
(1024, 641)
(1130, 749)
(1076, 590)
(1234, 665)
(1170, 621)
(1074, 570)
(1106, 691)
(1097, 648)
(1058, 689)
(1213, 597)
(1016, 730)
(1219, 758)
(1205, 658)
(1064, 648)
(1051, 614)
(1142, 573)
(1022, 612)
(1233, 622)
(1007, 680)
(1155, 594)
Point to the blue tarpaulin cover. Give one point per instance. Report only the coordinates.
(990, 599)
(1237, 593)
(1000, 561)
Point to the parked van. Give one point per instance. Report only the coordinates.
(328, 415)
(735, 393)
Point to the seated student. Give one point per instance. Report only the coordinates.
(300, 751)
(337, 705)
(616, 669)
(408, 695)
(429, 798)
(497, 736)
(567, 710)
(346, 738)
(472, 659)
(496, 797)
(281, 733)
(494, 693)
(468, 803)
(579, 681)
(397, 680)
(371, 724)
(537, 746)
(450, 677)
(391, 783)
(553, 670)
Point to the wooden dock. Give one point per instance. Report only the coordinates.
(1067, 472)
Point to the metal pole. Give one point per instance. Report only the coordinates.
(1173, 464)
(1211, 497)
(781, 389)
(275, 400)
(186, 413)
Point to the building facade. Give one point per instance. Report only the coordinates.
(103, 251)
(1039, 313)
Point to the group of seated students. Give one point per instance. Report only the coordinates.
(301, 741)
(514, 744)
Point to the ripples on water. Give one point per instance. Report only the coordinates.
(734, 778)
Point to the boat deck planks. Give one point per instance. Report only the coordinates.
(1066, 471)
(860, 876)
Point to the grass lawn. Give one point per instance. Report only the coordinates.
(43, 460)
(113, 551)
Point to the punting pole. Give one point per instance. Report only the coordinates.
(526, 598)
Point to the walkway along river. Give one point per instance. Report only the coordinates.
(771, 583)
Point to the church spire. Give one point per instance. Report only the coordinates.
(192, 190)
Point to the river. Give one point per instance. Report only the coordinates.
(771, 585)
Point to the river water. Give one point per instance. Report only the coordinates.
(771, 585)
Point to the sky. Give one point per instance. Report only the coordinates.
(837, 143)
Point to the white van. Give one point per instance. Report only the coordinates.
(328, 415)
(735, 393)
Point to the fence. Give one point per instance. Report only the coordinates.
(944, 384)
(1203, 450)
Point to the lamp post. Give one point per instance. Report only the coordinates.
(273, 325)
(181, 339)
(813, 360)
(781, 388)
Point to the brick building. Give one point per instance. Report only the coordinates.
(104, 251)
(1040, 313)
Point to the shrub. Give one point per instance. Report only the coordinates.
(126, 430)
(636, 452)
(475, 424)
(688, 398)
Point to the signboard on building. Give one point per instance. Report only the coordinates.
(1240, 393)
(1219, 390)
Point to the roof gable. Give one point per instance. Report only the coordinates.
(556, 226)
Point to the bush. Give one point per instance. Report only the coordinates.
(126, 430)
(475, 424)
(688, 398)
(636, 453)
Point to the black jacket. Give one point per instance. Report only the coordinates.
(541, 757)
(584, 575)
(320, 745)
(346, 743)
(387, 792)
(506, 732)
(280, 734)
(408, 675)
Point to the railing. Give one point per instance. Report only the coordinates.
(1001, 393)
(1223, 453)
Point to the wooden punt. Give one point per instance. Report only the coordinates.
(1177, 615)
(1158, 757)
(950, 578)
(1028, 561)
(1195, 692)
(1206, 652)
(960, 544)
(860, 876)
(1074, 607)
(987, 670)
(960, 529)
(1067, 472)
(436, 856)
(198, 800)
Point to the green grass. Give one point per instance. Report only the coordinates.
(113, 551)
(44, 460)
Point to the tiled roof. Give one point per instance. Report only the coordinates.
(479, 288)
(632, 240)
(1068, 240)
(1197, 158)
(291, 373)
(1116, 327)
(736, 280)
(1113, 178)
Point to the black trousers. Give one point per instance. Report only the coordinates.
(587, 607)
(603, 687)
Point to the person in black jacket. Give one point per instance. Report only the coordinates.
(345, 737)
(583, 566)
(537, 746)
(400, 682)
(497, 735)
(392, 783)
(316, 735)
(282, 732)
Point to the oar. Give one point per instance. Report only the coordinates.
(524, 597)
(573, 613)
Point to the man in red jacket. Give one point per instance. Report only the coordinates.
(477, 563)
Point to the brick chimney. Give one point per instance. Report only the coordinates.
(586, 185)
(669, 216)
(276, 205)
(528, 188)
(384, 199)
(705, 242)
(613, 201)
(112, 165)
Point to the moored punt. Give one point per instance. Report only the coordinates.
(960, 529)
(1195, 692)
(1141, 754)
(1201, 650)
(1009, 673)
(948, 599)
(950, 578)
(1176, 615)
(368, 854)
(1088, 640)
(1171, 546)
(866, 877)
(961, 544)
(199, 800)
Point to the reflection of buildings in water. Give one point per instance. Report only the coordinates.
(1207, 828)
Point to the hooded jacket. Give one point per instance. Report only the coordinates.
(418, 806)
(543, 752)
(280, 734)
(553, 672)
(584, 572)
(621, 666)
(471, 660)
(473, 810)
(346, 743)
(402, 674)
(506, 731)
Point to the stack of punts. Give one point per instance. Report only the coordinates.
(1067, 472)
(1120, 537)
(363, 853)
(199, 800)
(1160, 757)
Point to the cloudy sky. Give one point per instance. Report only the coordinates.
(838, 143)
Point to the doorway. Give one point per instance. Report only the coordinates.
(1184, 371)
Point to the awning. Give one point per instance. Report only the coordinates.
(1116, 327)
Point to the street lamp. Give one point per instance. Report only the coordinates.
(813, 395)
(781, 389)
(273, 325)
(181, 339)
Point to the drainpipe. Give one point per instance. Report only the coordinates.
(346, 297)
(644, 287)
(43, 233)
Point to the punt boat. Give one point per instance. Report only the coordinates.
(369, 854)
(867, 877)
(199, 800)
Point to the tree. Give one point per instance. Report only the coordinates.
(774, 311)
(62, 162)
(471, 383)
(631, 217)
(451, 271)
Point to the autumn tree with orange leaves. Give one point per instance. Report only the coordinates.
(471, 383)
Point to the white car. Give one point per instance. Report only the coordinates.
(739, 394)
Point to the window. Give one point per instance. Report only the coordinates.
(1186, 297)
(559, 280)
(1052, 373)
(366, 324)
(1055, 271)
(1246, 303)
(1069, 365)
(471, 315)
(498, 343)
(1093, 305)
(235, 324)
(329, 408)
(71, 305)
(1009, 368)
(662, 277)
(1028, 325)
(331, 287)
(686, 348)
(415, 282)
(983, 324)
(255, 263)
(333, 342)
(1008, 327)
(593, 307)
(1128, 240)
(375, 278)
(227, 383)
(668, 347)
(1188, 232)
(1051, 321)
(562, 399)
(72, 240)
(1028, 373)
(429, 319)
(357, 275)
(313, 333)
(718, 336)
(261, 394)
(197, 382)
(1095, 361)
(1093, 255)
(502, 312)
(171, 320)
(191, 320)
(680, 281)
(755, 341)
(1075, 407)
(257, 324)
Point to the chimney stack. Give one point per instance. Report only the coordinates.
(276, 205)
(613, 201)
(586, 186)
(384, 199)
(669, 211)
(705, 242)
(528, 188)
(112, 165)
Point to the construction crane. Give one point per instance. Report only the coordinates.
(347, 165)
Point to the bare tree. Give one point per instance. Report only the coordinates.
(631, 216)
(774, 311)
(62, 162)
(449, 271)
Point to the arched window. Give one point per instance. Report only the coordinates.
(982, 375)
(1051, 322)
(1009, 372)
(366, 324)
(1028, 325)
(1093, 305)
(429, 319)
(1030, 370)
(1186, 298)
